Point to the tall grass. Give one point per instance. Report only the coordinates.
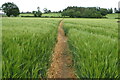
(27, 46)
(0, 47)
(94, 45)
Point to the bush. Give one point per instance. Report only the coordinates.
(37, 13)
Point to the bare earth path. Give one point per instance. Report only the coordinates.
(61, 66)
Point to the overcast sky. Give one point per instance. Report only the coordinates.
(56, 5)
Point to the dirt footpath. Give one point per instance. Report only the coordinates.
(61, 66)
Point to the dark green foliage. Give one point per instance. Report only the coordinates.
(89, 12)
(77, 14)
(64, 13)
(10, 9)
(110, 11)
(49, 11)
(103, 11)
(70, 12)
(37, 13)
(117, 11)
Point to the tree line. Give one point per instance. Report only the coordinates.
(12, 9)
(86, 12)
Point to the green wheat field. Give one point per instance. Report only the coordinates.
(28, 43)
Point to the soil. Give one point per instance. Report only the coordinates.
(62, 64)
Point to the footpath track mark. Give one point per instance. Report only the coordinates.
(61, 66)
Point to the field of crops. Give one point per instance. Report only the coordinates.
(0, 46)
(26, 14)
(44, 14)
(27, 46)
(112, 16)
(52, 14)
(94, 45)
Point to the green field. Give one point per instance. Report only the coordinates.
(28, 44)
(44, 14)
(52, 14)
(112, 16)
(26, 15)
(93, 43)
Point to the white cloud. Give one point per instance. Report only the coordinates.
(56, 5)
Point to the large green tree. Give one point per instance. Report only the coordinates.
(10, 9)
